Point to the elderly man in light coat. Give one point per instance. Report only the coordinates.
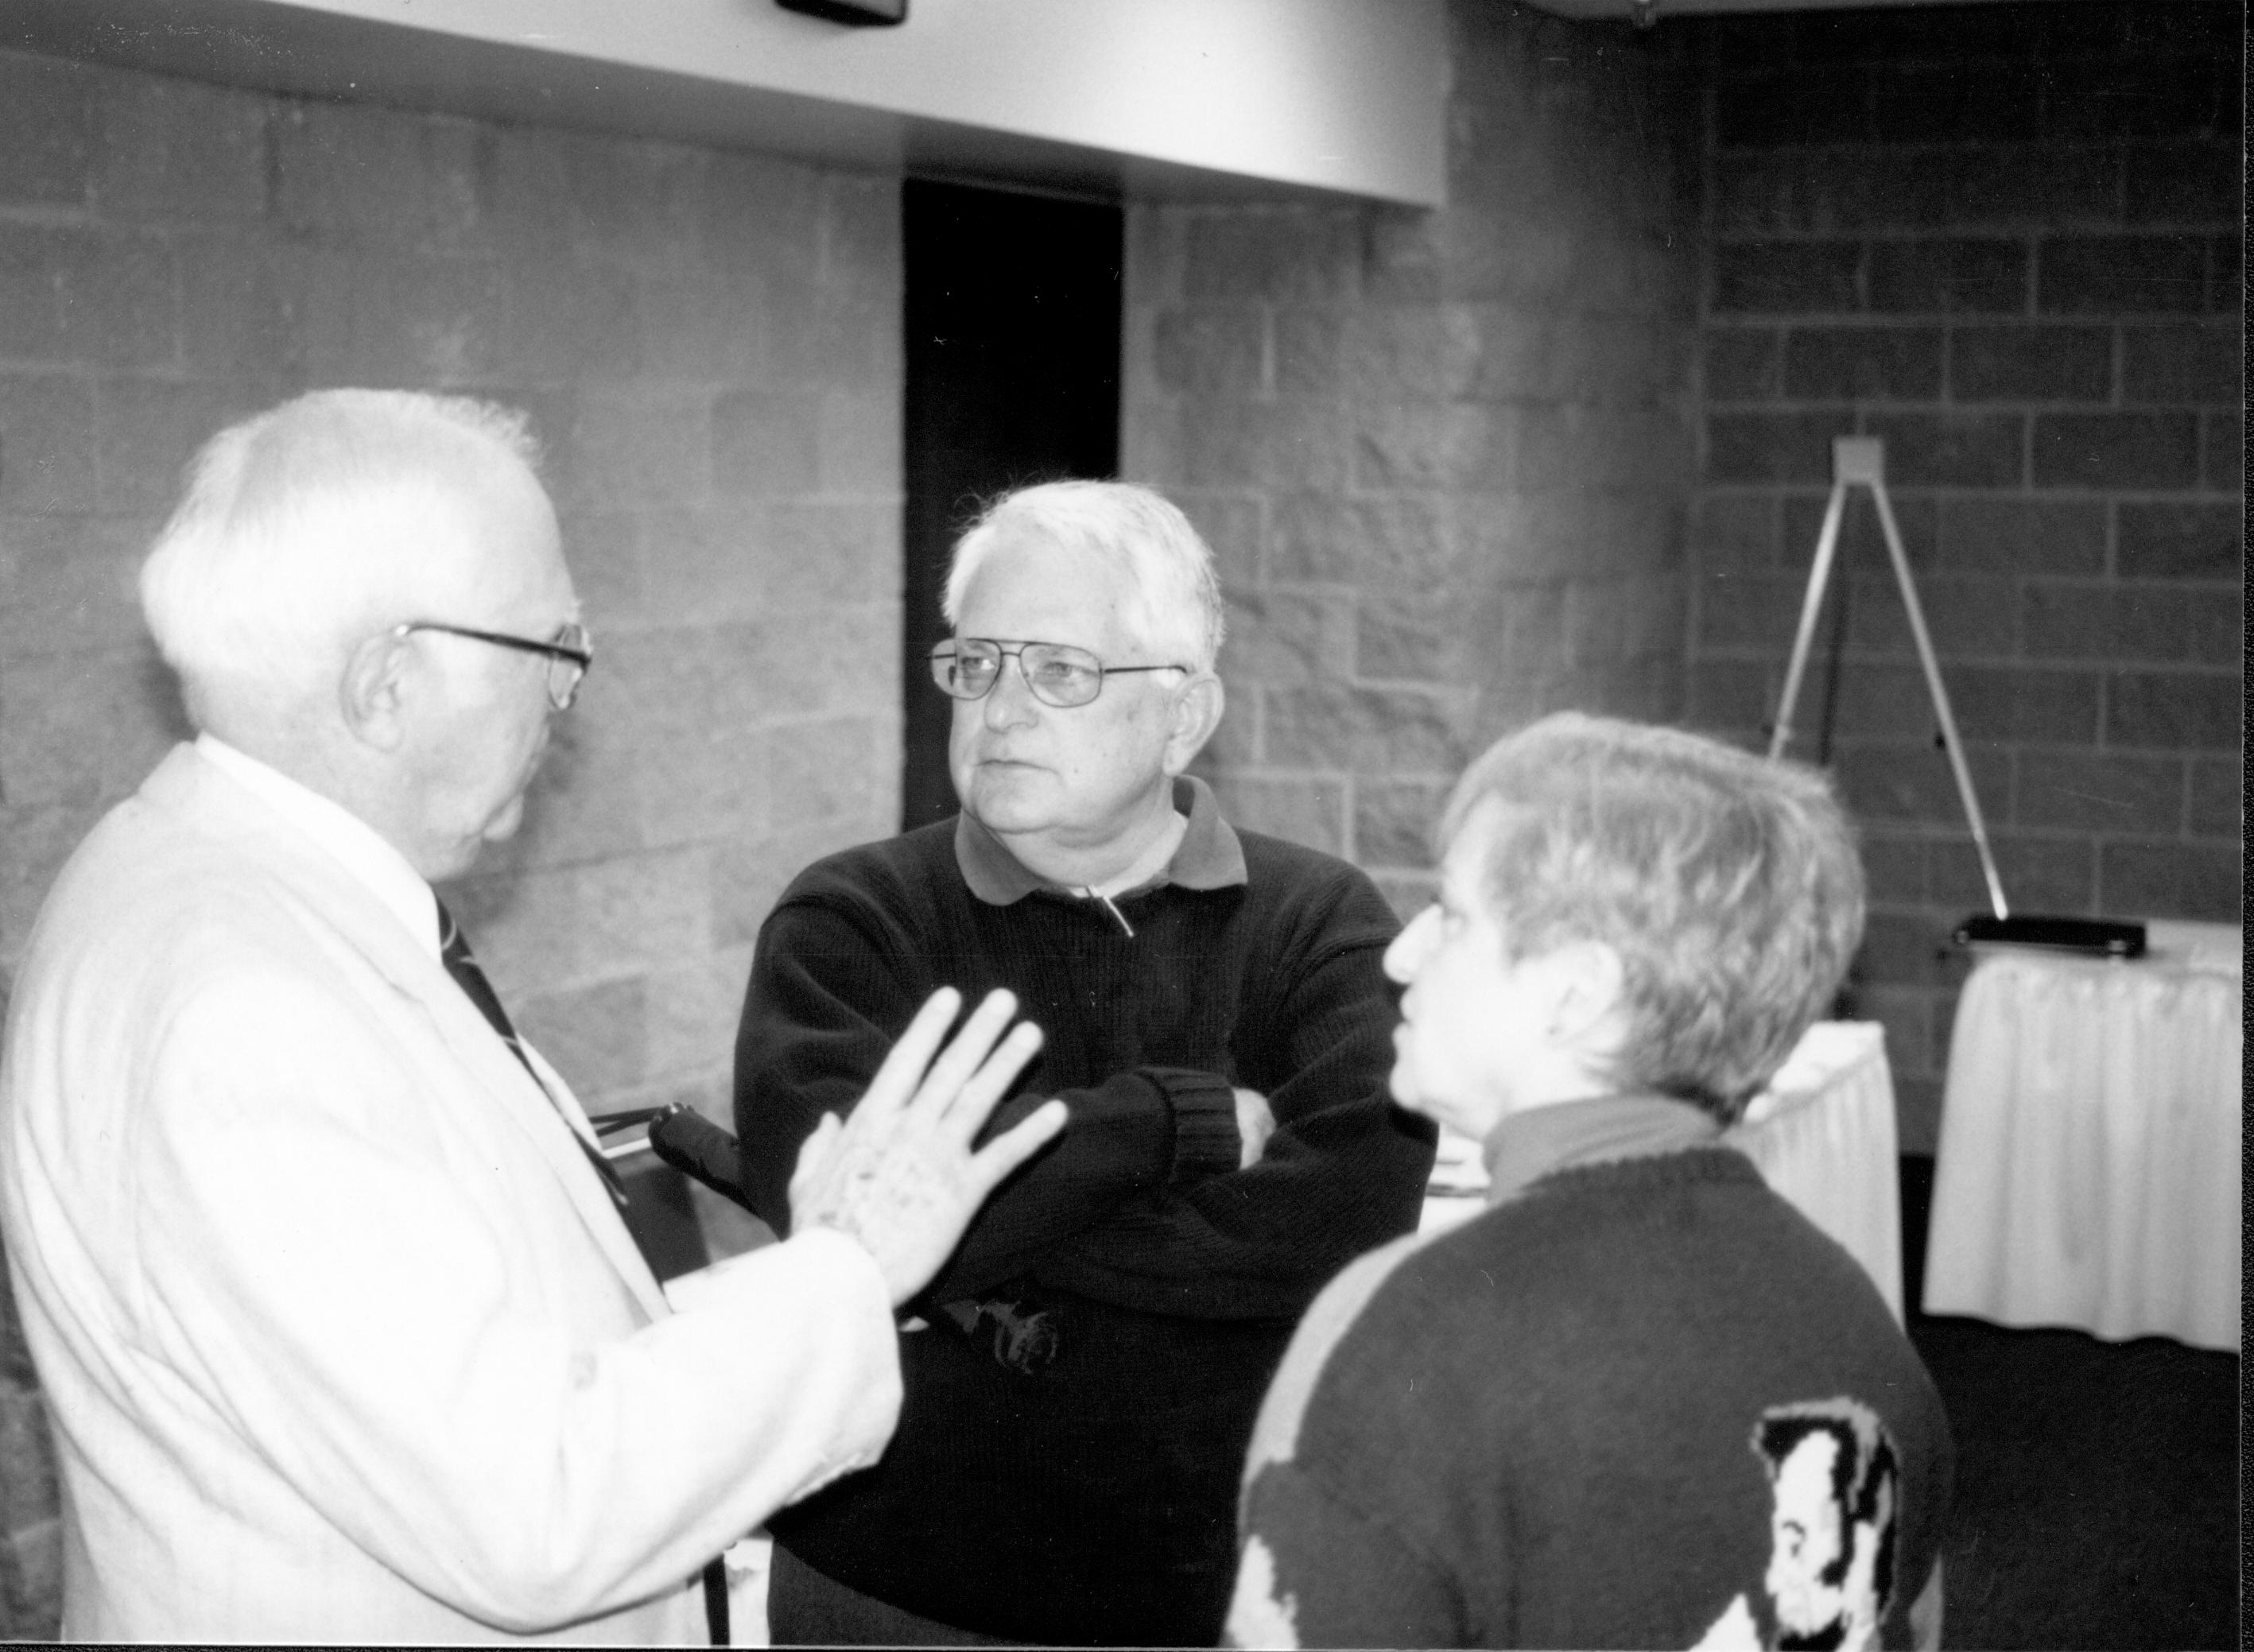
(340, 1331)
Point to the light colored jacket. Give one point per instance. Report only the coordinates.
(340, 1334)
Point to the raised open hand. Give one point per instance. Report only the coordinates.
(901, 1176)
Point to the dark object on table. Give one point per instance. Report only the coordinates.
(2105, 937)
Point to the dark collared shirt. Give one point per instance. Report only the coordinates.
(1208, 857)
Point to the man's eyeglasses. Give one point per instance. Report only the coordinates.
(569, 653)
(1057, 673)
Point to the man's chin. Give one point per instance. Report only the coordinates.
(444, 865)
(1007, 806)
(1411, 1097)
(504, 823)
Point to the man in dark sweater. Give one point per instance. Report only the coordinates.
(1641, 1401)
(1082, 1378)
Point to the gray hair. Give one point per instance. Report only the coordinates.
(1728, 884)
(298, 533)
(1177, 608)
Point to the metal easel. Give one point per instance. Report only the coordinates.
(1860, 461)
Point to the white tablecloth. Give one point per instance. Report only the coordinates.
(1822, 1134)
(2088, 1169)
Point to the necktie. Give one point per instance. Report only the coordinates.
(454, 952)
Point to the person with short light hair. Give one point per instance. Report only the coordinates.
(1082, 1377)
(1173, 595)
(322, 1268)
(1557, 1424)
(1728, 886)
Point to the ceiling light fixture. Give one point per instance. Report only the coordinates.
(858, 13)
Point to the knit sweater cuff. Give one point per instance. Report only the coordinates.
(1207, 1142)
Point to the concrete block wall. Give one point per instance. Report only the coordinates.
(2006, 239)
(1443, 457)
(708, 344)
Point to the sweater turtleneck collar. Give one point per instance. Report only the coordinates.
(1527, 1146)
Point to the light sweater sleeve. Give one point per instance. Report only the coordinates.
(1315, 1570)
(1322, 1560)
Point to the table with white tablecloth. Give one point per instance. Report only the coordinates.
(2088, 1172)
(1823, 1133)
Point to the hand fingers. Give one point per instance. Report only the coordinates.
(967, 1108)
(1015, 1146)
(815, 1151)
(963, 1054)
(822, 1144)
(904, 1066)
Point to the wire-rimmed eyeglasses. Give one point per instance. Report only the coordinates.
(1058, 674)
(570, 653)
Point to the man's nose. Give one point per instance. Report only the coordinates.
(1010, 702)
(1407, 952)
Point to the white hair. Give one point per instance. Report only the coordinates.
(302, 531)
(1177, 597)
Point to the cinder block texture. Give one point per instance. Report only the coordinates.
(708, 345)
(2004, 239)
(1445, 457)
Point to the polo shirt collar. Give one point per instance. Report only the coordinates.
(1528, 1145)
(1209, 855)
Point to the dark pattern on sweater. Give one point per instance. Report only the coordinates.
(1533, 1430)
(1093, 1499)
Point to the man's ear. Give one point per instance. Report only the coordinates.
(1589, 982)
(373, 692)
(1196, 714)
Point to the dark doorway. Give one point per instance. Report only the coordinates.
(1013, 347)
